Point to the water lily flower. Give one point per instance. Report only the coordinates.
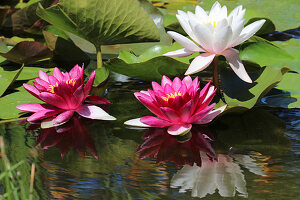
(177, 105)
(64, 94)
(215, 34)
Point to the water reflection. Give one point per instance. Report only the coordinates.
(72, 134)
(224, 176)
(160, 145)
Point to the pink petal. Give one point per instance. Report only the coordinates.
(96, 100)
(54, 100)
(185, 111)
(39, 87)
(57, 74)
(199, 63)
(93, 112)
(155, 122)
(52, 80)
(64, 117)
(179, 129)
(156, 87)
(148, 103)
(43, 75)
(168, 89)
(42, 82)
(171, 114)
(88, 86)
(79, 95)
(32, 90)
(211, 115)
(199, 115)
(75, 72)
(236, 64)
(43, 114)
(165, 80)
(35, 107)
(204, 92)
(176, 84)
(187, 81)
(206, 101)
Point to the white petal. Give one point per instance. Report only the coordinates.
(49, 123)
(93, 112)
(235, 11)
(236, 64)
(200, 13)
(210, 91)
(136, 122)
(211, 115)
(184, 41)
(184, 22)
(200, 62)
(179, 53)
(215, 10)
(249, 31)
(222, 36)
(204, 36)
(237, 29)
(179, 129)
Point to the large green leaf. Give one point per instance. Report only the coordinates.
(238, 93)
(266, 54)
(9, 102)
(150, 70)
(7, 76)
(102, 22)
(290, 95)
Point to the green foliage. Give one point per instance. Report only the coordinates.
(102, 22)
(7, 77)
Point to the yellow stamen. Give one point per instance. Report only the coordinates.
(51, 88)
(69, 82)
(171, 95)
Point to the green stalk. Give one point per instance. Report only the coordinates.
(216, 81)
(99, 57)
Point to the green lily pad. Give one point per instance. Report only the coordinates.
(101, 76)
(238, 93)
(292, 47)
(9, 102)
(290, 95)
(266, 54)
(7, 77)
(150, 70)
(102, 22)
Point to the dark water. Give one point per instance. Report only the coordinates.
(257, 153)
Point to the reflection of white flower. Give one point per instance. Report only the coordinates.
(216, 34)
(224, 175)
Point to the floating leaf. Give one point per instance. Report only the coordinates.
(241, 94)
(9, 102)
(151, 70)
(101, 76)
(7, 77)
(102, 22)
(27, 52)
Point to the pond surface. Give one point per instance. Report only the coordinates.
(258, 155)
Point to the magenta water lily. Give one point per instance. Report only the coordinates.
(177, 105)
(64, 94)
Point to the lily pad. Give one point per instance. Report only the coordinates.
(7, 77)
(150, 70)
(27, 52)
(9, 102)
(102, 22)
(238, 93)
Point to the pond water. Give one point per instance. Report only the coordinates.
(258, 155)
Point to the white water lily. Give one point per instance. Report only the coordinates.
(216, 34)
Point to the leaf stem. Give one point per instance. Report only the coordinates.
(99, 57)
(216, 75)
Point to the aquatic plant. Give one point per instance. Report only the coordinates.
(65, 94)
(177, 105)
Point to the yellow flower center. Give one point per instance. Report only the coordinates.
(171, 95)
(69, 82)
(214, 23)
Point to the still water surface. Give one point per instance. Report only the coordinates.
(257, 153)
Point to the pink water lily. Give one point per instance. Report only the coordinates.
(215, 34)
(177, 105)
(64, 94)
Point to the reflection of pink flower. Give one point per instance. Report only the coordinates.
(160, 145)
(177, 104)
(72, 134)
(65, 94)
